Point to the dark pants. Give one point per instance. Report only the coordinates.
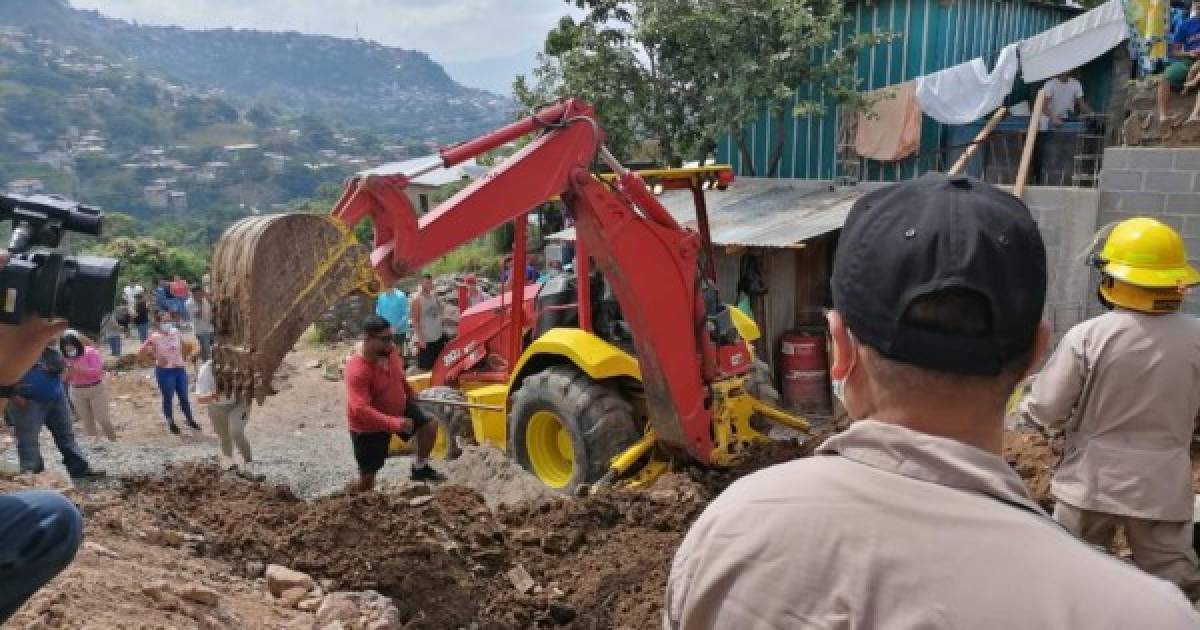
(27, 424)
(40, 532)
(114, 344)
(206, 341)
(143, 332)
(172, 382)
(428, 355)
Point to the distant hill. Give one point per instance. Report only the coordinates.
(356, 82)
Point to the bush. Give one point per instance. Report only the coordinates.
(474, 257)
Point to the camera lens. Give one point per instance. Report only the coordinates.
(87, 291)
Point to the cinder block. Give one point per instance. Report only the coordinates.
(1188, 204)
(1151, 159)
(1109, 201)
(1173, 220)
(1187, 160)
(1191, 227)
(1167, 182)
(1116, 157)
(1113, 217)
(1117, 180)
(1193, 247)
(1142, 202)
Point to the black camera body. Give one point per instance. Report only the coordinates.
(45, 284)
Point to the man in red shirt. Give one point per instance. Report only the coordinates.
(379, 403)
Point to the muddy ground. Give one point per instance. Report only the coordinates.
(490, 549)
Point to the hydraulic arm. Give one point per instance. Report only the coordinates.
(650, 261)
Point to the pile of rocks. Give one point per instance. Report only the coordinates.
(343, 322)
(342, 610)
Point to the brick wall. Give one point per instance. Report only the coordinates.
(1155, 182)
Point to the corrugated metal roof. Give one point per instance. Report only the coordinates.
(435, 178)
(761, 212)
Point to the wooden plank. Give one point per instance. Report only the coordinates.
(1035, 118)
(983, 134)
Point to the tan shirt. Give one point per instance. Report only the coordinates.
(891, 528)
(1125, 387)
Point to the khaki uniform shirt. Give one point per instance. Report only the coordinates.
(891, 528)
(1125, 387)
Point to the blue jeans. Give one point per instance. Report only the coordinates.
(54, 415)
(172, 381)
(143, 332)
(206, 340)
(40, 532)
(114, 344)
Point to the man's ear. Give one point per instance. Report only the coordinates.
(843, 347)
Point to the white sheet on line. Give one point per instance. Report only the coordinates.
(1074, 42)
(967, 92)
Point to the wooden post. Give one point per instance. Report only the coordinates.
(1035, 120)
(974, 146)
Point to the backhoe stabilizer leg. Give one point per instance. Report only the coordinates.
(781, 417)
(626, 460)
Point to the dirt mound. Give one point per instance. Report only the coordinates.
(496, 476)
(448, 559)
(1034, 457)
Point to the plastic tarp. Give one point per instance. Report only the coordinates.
(967, 92)
(1074, 42)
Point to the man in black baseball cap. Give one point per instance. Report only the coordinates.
(911, 517)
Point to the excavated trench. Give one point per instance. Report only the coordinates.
(447, 557)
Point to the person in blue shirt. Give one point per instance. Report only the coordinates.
(1184, 50)
(41, 401)
(392, 305)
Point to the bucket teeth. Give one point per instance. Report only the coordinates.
(272, 277)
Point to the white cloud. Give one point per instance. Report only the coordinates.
(451, 31)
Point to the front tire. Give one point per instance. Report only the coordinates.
(566, 428)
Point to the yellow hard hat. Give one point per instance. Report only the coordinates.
(1147, 253)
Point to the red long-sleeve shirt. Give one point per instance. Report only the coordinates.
(375, 394)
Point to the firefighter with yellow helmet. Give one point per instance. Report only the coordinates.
(1124, 388)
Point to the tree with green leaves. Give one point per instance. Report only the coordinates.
(680, 73)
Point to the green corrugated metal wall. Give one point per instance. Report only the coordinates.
(930, 37)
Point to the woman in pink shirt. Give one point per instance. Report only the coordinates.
(85, 375)
(167, 346)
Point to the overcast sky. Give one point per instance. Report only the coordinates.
(475, 39)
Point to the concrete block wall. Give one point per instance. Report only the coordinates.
(1156, 182)
(1067, 219)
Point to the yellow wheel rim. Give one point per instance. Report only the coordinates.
(549, 445)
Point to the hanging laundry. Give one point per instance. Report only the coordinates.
(1074, 42)
(1149, 23)
(967, 92)
(895, 131)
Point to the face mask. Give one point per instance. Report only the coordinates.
(839, 385)
(165, 328)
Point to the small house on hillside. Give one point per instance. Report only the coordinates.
(421, 190)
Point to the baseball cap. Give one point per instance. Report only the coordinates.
(933, 234)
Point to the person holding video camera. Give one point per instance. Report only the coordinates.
(40, 530)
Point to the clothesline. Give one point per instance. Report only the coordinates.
(967, 91)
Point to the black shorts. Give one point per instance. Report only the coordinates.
(428, 355)
(371, 449)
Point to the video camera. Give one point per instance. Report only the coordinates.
(48, 284)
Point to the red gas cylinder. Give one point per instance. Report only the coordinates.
(805, 368)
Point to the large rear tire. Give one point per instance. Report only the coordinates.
(565, 428)
(455, 422)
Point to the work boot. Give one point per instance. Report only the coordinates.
(193, 426)
(173, 428)
(426, 473)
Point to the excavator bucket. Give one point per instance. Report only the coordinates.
(272, 276)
